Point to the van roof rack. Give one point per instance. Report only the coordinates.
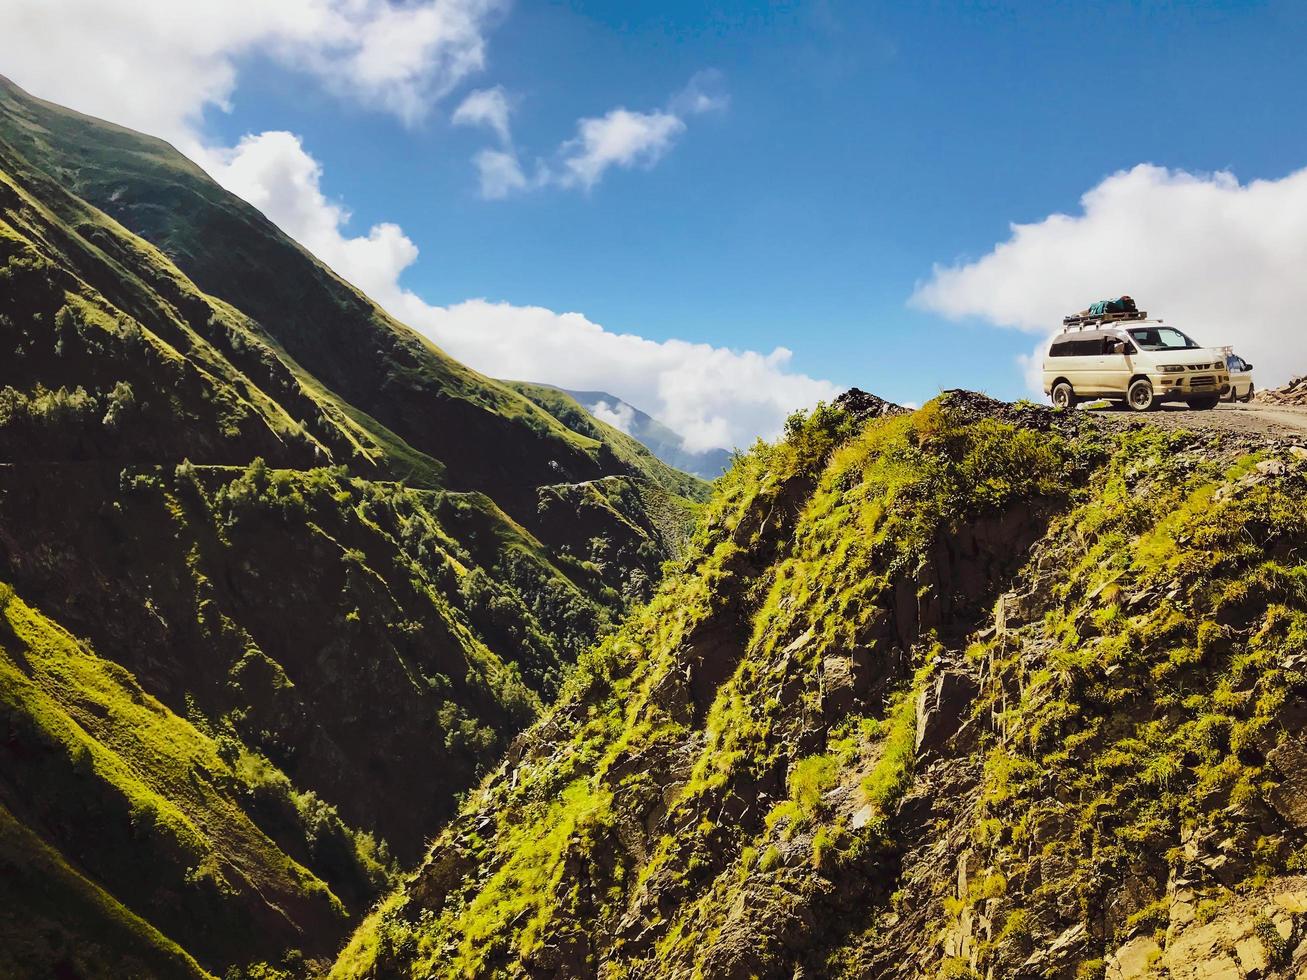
(1082, 321)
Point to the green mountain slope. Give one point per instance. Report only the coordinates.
(93, 317)
(282, 579)
(487, 437)
(976, 691)
(57, 923)
(631, 519)
(144, 801)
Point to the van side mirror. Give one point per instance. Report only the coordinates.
(1247, 366)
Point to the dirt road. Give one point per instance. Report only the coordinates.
(1277, 421)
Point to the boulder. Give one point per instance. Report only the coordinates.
(1289, 798)
(1134, 959)
(941, 709)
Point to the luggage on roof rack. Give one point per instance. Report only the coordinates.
(1105, 311)
(1122, 304)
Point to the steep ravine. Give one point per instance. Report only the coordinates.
(975, 691)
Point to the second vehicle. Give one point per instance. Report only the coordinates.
(1241, 377)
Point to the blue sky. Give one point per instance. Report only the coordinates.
(859, 144)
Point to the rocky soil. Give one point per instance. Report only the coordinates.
(1293, 393)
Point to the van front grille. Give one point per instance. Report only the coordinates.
(1203, 381)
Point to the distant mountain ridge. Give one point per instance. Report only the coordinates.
(665, 443)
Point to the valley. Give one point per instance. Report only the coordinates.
(325, 655)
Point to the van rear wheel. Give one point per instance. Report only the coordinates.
(1064, 396)
(1140, 395)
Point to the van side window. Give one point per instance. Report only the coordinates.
(1078, 347)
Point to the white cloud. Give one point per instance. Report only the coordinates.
(407, 55)
(619, 415)
(713, 396)
(500, 174)
(619, 138)
(156, 65)
(1220, 259)
(702, 94)
(486, 107)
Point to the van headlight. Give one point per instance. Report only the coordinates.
(1171, 368)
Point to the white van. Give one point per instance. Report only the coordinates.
(1140, 362)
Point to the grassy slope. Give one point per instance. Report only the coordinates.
(59, 922)
(352, 631)
(88, 305)
(625, 524)
(731, 784)
(1156, 682)
(157, 800)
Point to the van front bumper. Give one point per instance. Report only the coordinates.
(1185, 387)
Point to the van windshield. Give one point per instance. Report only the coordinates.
(1161, 338)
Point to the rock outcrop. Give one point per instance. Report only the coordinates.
(862, 405)
(1293, 393)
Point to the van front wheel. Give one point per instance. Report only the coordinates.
(1140, 395)
(1064, 396)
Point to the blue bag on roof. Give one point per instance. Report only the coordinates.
(1122, 304)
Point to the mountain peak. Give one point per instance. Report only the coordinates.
(663, 442)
